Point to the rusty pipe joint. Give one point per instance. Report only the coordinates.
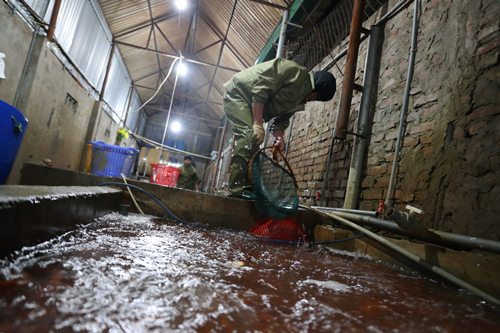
(406, 220)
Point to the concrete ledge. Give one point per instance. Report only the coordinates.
(33, 214)
(214, 210)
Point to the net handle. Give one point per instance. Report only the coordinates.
(273, 150)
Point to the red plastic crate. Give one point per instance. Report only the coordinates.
(164, 175)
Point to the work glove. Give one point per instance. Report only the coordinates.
(258, 133)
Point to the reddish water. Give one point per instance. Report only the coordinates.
(129, 274)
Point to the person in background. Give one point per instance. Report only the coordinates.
(272, 92)
(188, 178)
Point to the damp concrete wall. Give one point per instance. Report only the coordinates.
(58, 106)
(450, 164)
(15, 39)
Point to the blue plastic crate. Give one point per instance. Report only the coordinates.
(111, 161)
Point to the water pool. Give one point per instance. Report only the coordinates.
(135, 274)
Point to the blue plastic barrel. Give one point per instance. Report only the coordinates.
(111, 161)
(13, 125)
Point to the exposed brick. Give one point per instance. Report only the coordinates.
(372, 194)
(475, 127)
(484, 111)
(410, 141)
(489, 59)
(404, 196)
(391, 135)
(423, 127)
(377, 170)
(424, 99)
(382, 182)
(368, 182)
(455, 82)
(425, 139)
(420, 196)
(338, 194)
(427, 150)
(495, 43)
(368, 205)
(487, 32)
(374, 160)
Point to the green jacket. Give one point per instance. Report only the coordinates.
(280, 84)
(188, 177)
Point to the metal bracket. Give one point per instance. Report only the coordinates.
(294, 25)
(357, 134)
(18, 127)
(357, 87)
(365, 31)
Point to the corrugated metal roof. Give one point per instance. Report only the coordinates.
(143, 26)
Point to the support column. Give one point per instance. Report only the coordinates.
(91, 128)
(365, 119)
(23, 91)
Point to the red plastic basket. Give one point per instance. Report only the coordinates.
(164, 175)
(287, 230)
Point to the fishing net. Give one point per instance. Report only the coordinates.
(274, 184)
(286, 230)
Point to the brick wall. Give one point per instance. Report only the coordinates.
(450, 161)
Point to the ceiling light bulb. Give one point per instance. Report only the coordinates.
(182, 69)
(176, 127)
(181, 4)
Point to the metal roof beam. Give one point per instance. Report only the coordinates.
(162, 109)
(146, 24)
(294, 10)
(178, 95)
(270, 4)
(207, 47)
(168, 55)
(228, 43)
(189, 42)
(222, 48)
(154, 39)
(166, 38)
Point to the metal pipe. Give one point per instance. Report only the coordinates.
(53, 20)
(327, 170)
(25, 70)
(365, 118)
(345, 210)
(221, 147)
(404, 110)
(411, 257)
(287, 144)
(393, 11)
(169, 112)
(441, 238)
(281, 41)
(349, 70)
(106, 74)
(129, 100)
